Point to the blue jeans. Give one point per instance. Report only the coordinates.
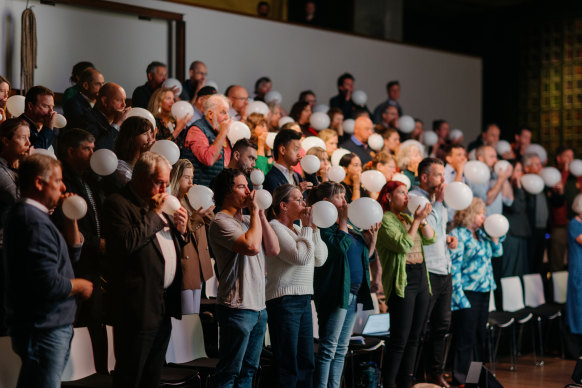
(242, 334)
(334, 339)
(44, 354)
(291, 329)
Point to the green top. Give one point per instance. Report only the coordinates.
(393, 245)
(70, 92)
(262, 164)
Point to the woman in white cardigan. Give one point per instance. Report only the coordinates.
(289, 287)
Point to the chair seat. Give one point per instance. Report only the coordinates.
(500, 319)
(200, 363)
(522, 316)
(178, 376)
(370, 343)
(548, 310)
(94, 381)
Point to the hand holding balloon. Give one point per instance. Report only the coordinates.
(306, 217)
(422, 212)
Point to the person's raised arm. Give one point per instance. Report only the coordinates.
(219, 141)
(249, 243)
(270, 240)
(494, 191)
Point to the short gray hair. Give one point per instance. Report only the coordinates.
(403, 156)
(526, 159)
(147, 164)
(577, 204)
(36, 165)
(214, 101)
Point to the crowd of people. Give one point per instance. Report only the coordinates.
(130, 264)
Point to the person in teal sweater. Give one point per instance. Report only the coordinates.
(341, 283)
(404, 279)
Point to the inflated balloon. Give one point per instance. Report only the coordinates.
(430, 138)
(182, 109)
(348, 126)
(416, 201)
(200, 197)
(273, 96)
(376, 142)
(284, 120)
(324, 214)
(502, 147)
(455, 134)
(238, 130)
(458, 195)
(576, 167)
(168, 149)
(373, 180)
(500, 166)
(42, 151)
(211, 83)
(365, 212)
(312, 141)
(539, 151)
(257, 177)
(406, 124)
(263, 198)
(320, 108)
(359, 97)
(551, 176)
(103, 162)
(532, 183)
(74, 207)
(270, 140)
(319, 121)
(477, 172)
(170, 205)
(310, 164)
(141, 112)
(174, 84)
(400, 177)
(60, 121)
(337, 155)
(258, 107)
(496, 225)
(15, 105)
(336, 174)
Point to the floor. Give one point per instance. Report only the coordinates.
(555, 373)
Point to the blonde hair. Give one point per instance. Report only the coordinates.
(406, 148)
(466, 217)
(253, 121)
(176, 174)
(381, 157)
(155, 103)
(317, 151)
(327, 134)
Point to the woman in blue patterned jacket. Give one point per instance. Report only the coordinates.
(472, 284)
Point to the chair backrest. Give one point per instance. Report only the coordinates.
(9, 364)
(560, 285)
(512, 293)
(492, 306)
(81, 363)
(534, 290)
(212, 283)
(187, 340)
(315, 321)
(110, 349)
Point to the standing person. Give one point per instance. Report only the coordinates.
(40, 286)
(160, 105)
(144, 278)
(393, 91)
(343, 101)
(76, 72)
(290, 287)
(408, 158)
(341, 283)
(240, 243)
(472, 284)
(197, 80)
(286, 155)
(353, 167)
(574, 297)
(157, 73)
(404, 279)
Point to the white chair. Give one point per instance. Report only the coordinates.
(110, 349)
(315, 321)
(212, 283)
(81, 363)
(534, 290)
(512, 294)
(9, 364)
(560, 283)
(187, 340)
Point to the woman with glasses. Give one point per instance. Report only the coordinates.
(289, 287)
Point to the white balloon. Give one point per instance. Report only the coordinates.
(211, 83)
(458, 195)
(348, 126)
(477, 172)
(551, 176)
(359, 97)
(414, 201)
(170, 205)
(257, 177)
(61, 121)
(500, 166)
(576, 167)
(42, 151)
(312, 141)
(324, 214)
(273, 96)
(319, 121)
(181, 109)
(320, 108)
(532, 183)
(336, 174)
(74, 207)
(200, 197)
(264, 199)
(168, 149)
(270, 140)
(238, 130)
(337, 155)
(376, 142)
(258, 107)
(373, 180)
(310, 164)
(455, 134)
(496, 225)
(284, 120)
(15, 105)
(406, 124)
(502, 147)
(430, 138)
(103, 162)
(365, 212)
(141, 112)
(174, 84)
(400, 177)
(539, 151)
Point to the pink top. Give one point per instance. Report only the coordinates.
(197, 142)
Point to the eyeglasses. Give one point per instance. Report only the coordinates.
(240, 98)
(299, 200)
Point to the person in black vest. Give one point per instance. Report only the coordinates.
(286, 153)
(207, 140)
(76, 107)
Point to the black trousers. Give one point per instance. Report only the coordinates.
(439, 321)
(407, 320)
(470, 334)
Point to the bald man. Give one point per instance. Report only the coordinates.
(239, 100)
(358, 142)
(104, 120)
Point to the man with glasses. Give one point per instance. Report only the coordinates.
(192, 86)
(239, 100)
(40, 116)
